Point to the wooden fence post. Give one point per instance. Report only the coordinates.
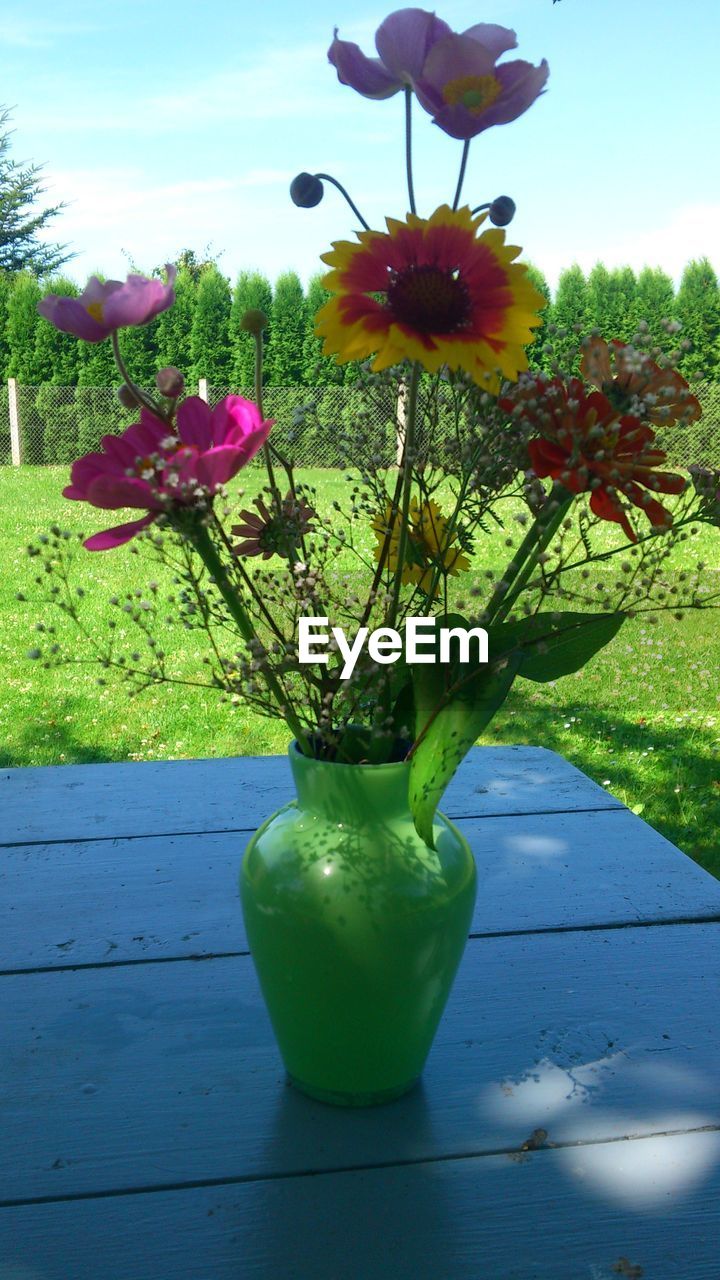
(16, 443)
(203, 389)
(401, 416)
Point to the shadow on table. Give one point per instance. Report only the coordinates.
(553, 1214)
(343, 1223)
(670, 776)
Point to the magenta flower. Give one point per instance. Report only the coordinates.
(455, 77)
(102, 308)
(152, 468)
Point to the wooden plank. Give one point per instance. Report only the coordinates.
(571, 1214)
(91, 801)
(98, 902)
(157, 1075)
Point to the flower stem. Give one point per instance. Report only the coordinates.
(408, 148)
(407, 470)
(524, 562)
(259, 402)
(214, 565)
(142, 400)
(461, 175)
(327, 177)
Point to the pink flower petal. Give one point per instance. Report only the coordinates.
(521, 84)
(116, 536)
(366, 75)
(459, 56)
(88, 468)
(195, 423)
(70, 316)
(404, 40)
(496, 39)
(113, 492)
(217, 466)
(139, 300)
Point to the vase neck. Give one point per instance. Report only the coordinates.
(360, 794)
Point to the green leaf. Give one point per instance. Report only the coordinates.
(554, 645)
(450, 720)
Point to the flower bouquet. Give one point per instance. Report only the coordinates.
(388, 630)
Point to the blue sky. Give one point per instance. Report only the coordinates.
(172, 125)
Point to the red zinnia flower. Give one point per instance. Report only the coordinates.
(587, 444)
(634, 383)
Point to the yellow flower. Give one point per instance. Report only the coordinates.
(431, 290)
(430, 545)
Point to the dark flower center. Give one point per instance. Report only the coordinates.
(429, 299)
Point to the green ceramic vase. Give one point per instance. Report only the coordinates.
(356, 928)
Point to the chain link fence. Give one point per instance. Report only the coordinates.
(58, 424)
(314, 426)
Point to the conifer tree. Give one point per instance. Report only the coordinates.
(318, 370)
(139, 350)
(252, 292)
(697, 307)
(57, 355)
(285, 344)
(174, 326)
(655, 302)
(22, 326)
(20, 220)
(534, 350)
(624, 303)
(97, 366)
(209, 337)
(569, 311)
(612, 302)
(5, 287)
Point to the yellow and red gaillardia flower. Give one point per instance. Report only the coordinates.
(431, 545)
(586, 444)
(631, 380)
(431, 290)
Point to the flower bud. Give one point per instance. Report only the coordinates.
(126, 397)
(306, 191)
(254, 321)
(502, 211)
(170, 382)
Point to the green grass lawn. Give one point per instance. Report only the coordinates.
(642, 719)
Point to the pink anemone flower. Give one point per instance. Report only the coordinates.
(106, 306)
(455, 77)
(162, 471)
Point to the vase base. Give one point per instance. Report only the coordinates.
(336, 1098)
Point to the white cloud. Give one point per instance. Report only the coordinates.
(114, 216)
(691, 231)
(281, 84)
(28, 33)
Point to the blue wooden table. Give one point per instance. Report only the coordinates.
(568, 1121)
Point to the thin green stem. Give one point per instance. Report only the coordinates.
(408, 148)
(407, 472)
(327, 177)
(259, 402)
(144, 401)
(216, 569)
(524, 561)
(623, 550)
(242, 571)
(461, 175)
(384, 550)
